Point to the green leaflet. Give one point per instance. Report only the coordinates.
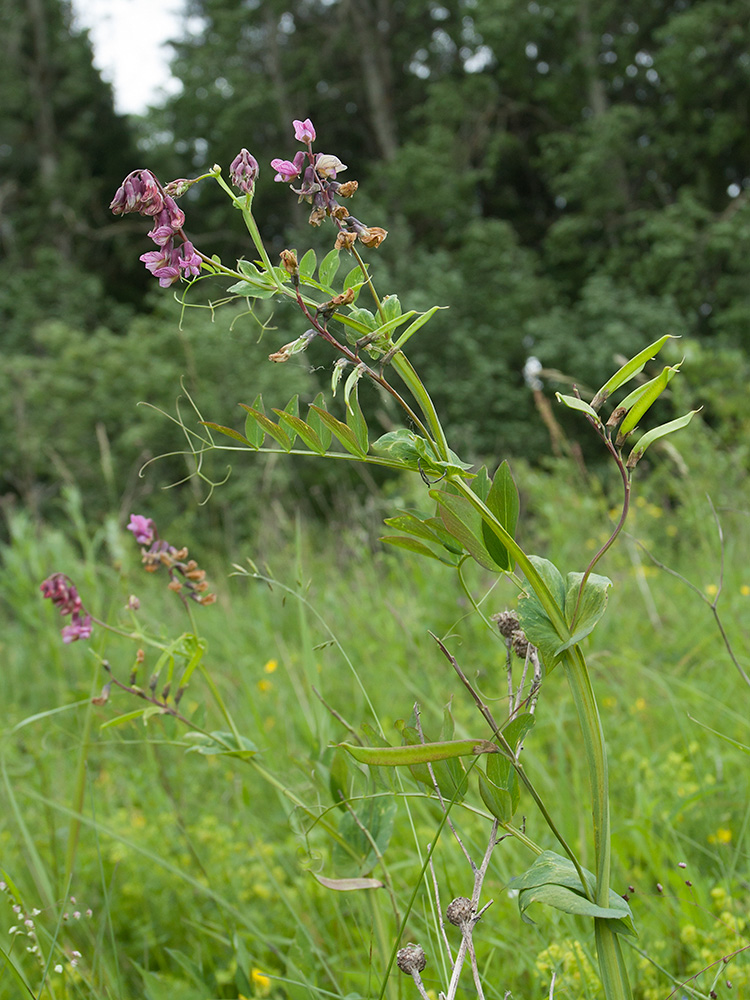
(502, 500)
(655, 433)
(629, 369)
(229, 431)
(554, 880)
(536, 624)
(345, 434)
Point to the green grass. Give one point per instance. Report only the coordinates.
(199, 870)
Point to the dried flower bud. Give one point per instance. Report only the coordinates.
(317, 215)
(340, 212)
(279, 357)
(411, 959)
(347, 189)
(344, 299)
(345, 241)
(460, 911)
(104, 696)
(520, 644)
(373, 236)
(289, 262)
(507, 622)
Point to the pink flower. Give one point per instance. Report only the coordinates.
(163, 264)
(161, 235)
(286, 171)
(328, 165)
(189, 260)
(62, 592)
(304, 131)
(243, 171)
(79, 628)
(143, 529)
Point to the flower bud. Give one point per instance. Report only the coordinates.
(289, 262)
(460, 911)
(243, 171)
(507, 622)
(411, 959)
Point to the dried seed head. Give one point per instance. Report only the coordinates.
(520, 643)
(507, 622)
(460, 911)
(411, 959)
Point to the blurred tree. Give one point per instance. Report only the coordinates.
(63, 152)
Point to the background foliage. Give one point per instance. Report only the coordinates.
(570, 180)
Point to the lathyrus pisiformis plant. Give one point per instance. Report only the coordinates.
(474, 516)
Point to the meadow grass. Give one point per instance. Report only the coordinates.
(199, 870)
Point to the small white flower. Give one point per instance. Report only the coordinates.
(58, 968)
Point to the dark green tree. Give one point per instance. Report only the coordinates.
(64, 150)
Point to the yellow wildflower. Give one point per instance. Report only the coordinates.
(261, 982)
(264, 685)
(270, 666)
(722, 836)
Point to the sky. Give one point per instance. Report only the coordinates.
(128, 37)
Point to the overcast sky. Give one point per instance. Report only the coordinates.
(128, 38)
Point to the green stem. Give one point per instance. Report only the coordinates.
(540, 588)
(220, 702)
(611, 964)
(244, 205)
(404, 367)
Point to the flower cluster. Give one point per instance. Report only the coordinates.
(141, 192)
(185, 576)
(243, 171)
(62, 592)
(317, 175)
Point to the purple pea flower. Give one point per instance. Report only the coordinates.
(304, 131)
(63, 593)
(163, 264)
(143, 528)
(243, 171)
(286, 170)
(161, 235)
(79, 628)
(189, 260)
